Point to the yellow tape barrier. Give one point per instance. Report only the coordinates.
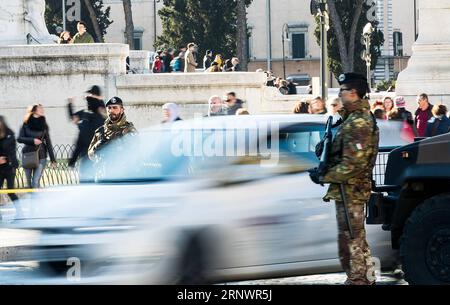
(28, 191)
(18, 191)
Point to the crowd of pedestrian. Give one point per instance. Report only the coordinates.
(103, 122)
(217, 106)
(284, 86)
(188, 60)
(427, 121)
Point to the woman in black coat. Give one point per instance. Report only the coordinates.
(8, 158)
(35, 135)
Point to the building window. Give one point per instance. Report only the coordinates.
(398, 43)
(298, 33)
(298, 45)
(250, 42)
(137, 38)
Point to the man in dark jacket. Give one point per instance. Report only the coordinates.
(88, 121)
(207, 60)
(439, 124)
(402, 114)
(8, 158)
(167, 58)
(292, 88)
(233, 103)
(423, 114)
(115, 127)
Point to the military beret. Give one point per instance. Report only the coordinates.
(347, 78)
(354, 79)
(114, 101)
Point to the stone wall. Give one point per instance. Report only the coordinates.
(50, 74)
(145, 93)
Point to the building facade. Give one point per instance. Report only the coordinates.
(147, 24)
(291, 29)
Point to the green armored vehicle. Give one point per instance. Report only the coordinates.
(414, 204)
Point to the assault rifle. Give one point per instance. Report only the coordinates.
(323, 150)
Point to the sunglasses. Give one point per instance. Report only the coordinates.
(345, 89)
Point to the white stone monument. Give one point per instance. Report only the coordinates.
(428, 69)
(23, 22)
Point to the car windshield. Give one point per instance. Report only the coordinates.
(176, 154)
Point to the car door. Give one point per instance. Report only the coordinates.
(276, 214)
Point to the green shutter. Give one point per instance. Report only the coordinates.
(298, 46)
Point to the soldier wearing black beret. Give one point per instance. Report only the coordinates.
(115, 127)
(351, 161)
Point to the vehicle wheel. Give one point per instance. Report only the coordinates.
(425, 244)
(57, 268)
(192, 265)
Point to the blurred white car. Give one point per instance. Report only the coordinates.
(199, 201)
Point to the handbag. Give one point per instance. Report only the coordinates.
(30, 160)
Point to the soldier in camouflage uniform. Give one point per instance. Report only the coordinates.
(351, 162)
(115, 127)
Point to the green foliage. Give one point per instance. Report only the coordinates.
(386, 85)
(346, 10)
(53, 17)
(211, 24)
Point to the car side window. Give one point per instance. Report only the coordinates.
(302, 142)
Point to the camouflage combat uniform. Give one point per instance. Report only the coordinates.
(107, 133)
(352, 159)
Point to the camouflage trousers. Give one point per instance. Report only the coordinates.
(354, 254)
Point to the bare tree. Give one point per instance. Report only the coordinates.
(347, 54)
(242, 35)
(129, 26)
(94, 20)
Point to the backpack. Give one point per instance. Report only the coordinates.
(176, 64)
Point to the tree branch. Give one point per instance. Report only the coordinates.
(94, 20)
(129, 26)
(241, 33)
(352, 39)
(337, 25)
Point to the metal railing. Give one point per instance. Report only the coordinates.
(62, 174)
(380, 166)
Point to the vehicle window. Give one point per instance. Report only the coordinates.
(162, 154)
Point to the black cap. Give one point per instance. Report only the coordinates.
(95, 90)
(115, 101)
(355, 80)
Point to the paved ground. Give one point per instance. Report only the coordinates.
(27, 273)
(322, 279)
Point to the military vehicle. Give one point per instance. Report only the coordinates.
(414, 204)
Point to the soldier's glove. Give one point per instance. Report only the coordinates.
(315, 176)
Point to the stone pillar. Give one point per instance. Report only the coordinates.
(428, 69)
(140, 62)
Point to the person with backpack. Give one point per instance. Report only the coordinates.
(176, 63)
